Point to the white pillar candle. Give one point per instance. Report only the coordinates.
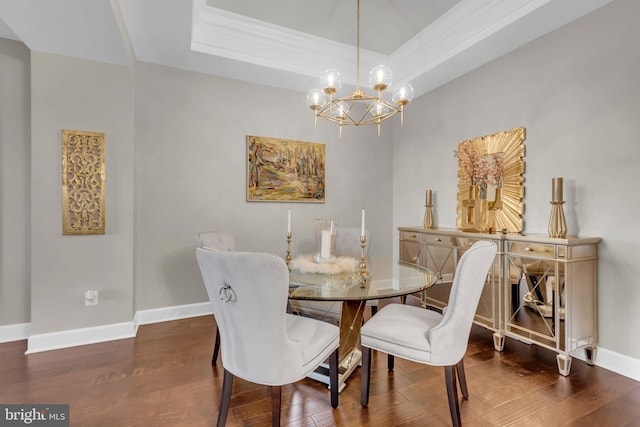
(325, 244)
(289, 221)
(362, 224)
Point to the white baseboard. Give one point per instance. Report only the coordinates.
(74, 337)
(115, 331)
(15, 332)
(618, 363)
(165, 314)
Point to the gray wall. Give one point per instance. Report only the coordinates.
(191, 147)
(190, 153)
(70, 93)
(176, 152)
(576, 92)
(14, 183)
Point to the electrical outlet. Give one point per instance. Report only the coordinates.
(91, 297)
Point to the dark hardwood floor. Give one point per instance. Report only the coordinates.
(164, 377)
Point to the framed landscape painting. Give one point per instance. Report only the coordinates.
(283, 170)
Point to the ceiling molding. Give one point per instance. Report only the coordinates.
(199, 37)
(452, 45)
(222, 33)
(464, 26)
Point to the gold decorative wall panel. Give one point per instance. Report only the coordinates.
(83, 182)
(490, 182)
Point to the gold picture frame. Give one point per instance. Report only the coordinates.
(283, 170)
(83, 182)
(491, 182)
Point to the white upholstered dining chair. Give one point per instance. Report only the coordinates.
(217, 240)
(225, 241)
(426, 336)
(261, 342)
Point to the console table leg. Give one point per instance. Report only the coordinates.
(590, 355)
(498, 341)
(564, 364)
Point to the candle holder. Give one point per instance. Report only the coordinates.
(363, 273)
(557, 222)
(287, 258)
(428, 216)
(326, 231)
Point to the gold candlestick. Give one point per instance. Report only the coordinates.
(557, 222)
(428, 216)
(363, 273)
(287, 258)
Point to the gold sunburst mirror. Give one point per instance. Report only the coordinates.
(490, 182)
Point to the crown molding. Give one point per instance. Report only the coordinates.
(229, 35)
(475, 32)
(470, 34)
(464, 26)
(226, 34)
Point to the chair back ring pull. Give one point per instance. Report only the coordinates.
(226, 293)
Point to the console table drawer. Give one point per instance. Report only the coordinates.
(528, 249)
(430, 239)
(410, 236)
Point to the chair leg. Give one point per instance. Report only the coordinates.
(365, 373)
(225, 399)
(276, 400)
(333, 378)
(374, 310)
(390, 362)
(463, 379)
(452, 393)
(216, 347)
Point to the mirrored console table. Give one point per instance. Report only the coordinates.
(540, 290)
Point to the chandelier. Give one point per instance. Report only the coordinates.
(358, 108)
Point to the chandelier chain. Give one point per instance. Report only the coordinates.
(358, 49)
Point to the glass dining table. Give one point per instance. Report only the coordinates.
(342, 298)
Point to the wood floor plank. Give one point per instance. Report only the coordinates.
(164, 377)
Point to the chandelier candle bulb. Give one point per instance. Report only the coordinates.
(556, 189)
(380, 78)
(331, 82)
(362, 224)
(289, 221)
